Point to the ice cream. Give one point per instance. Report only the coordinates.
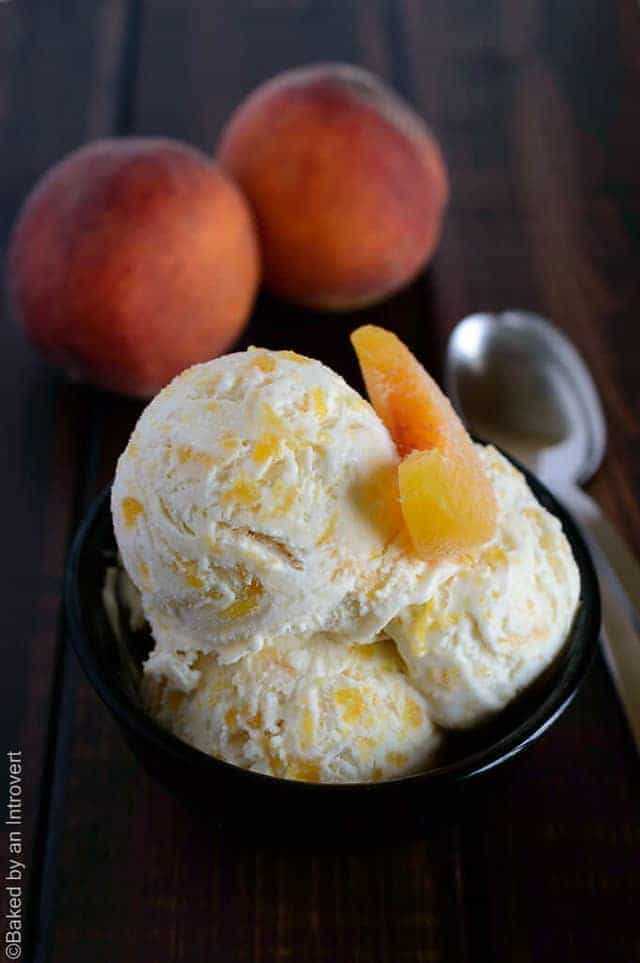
(490, 625)
(296, 629)
(257, 498)
(316, 709)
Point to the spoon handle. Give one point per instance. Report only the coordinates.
(619, 577)
(620, 556)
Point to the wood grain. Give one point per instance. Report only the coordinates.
(536, 107)
(535, 225)
(45, 49)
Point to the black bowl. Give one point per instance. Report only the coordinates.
(233, 797)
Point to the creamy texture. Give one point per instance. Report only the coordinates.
(317, 710)
(257, 498)
(489, 625)
(256, 510)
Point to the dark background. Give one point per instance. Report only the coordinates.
(537, 104)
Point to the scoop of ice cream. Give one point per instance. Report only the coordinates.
(256, 509)
(487, 626)
(258, 497)
(317, 710)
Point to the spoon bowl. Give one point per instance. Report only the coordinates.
(519, 382)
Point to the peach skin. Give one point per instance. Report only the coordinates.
(132, 259)
(347, 184)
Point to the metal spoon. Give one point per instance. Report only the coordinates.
(520, 383)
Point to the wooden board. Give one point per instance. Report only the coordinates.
(536, 107)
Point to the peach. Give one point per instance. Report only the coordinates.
(132, 259)
(447, 501)
(347, 184)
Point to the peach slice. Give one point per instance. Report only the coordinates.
(447, 501)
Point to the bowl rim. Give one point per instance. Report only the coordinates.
(134, 718)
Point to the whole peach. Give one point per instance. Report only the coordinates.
(132, 259)
(347, 184)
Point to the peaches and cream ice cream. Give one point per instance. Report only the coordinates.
(488, 626)
(256, 498)
(297, 631)
(311, 709)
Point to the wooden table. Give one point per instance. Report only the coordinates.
(536, 104)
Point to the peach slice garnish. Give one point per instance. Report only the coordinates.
(447, 501)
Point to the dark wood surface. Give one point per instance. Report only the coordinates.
(536, 104)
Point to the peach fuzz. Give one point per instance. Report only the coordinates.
(132, 259)
(347, 184)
